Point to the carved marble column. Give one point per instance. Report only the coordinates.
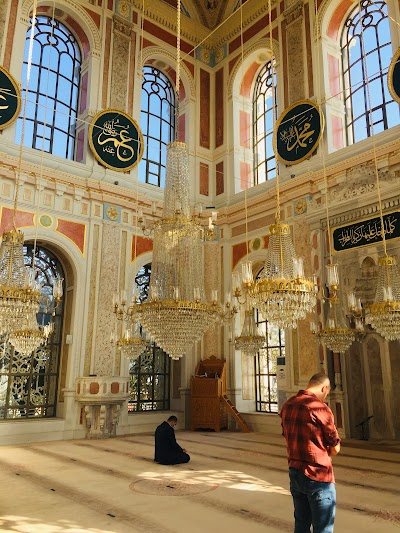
(122, 31)
(295, 41)
(104, 351)
(212, 264)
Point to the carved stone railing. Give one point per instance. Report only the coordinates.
(101, 398)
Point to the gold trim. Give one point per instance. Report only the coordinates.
(141, 141)
(18, 91)
(395, 59)
(280, 120)
(358, 222)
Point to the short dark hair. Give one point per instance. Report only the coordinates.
(318, 379)
(172, 418)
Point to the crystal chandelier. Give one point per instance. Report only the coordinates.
(384, 314)
(132, 343)
(177, 313)
(250, 340)
(283, 295)
(335, 335)
(19, 292)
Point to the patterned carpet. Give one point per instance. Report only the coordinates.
(235, 482)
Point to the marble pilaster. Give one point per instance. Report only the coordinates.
(295, 35)
(120, 59)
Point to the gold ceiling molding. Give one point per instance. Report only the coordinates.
(195, 32)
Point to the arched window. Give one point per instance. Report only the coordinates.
(265, 365)
(366, 54)
(28, 386)
(157, 121)
(264, 115)
(150, 372)
(52, 89)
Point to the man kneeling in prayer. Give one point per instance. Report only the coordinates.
(168, 451)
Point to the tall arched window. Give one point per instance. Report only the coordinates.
(53, 89)
(28, 386)
(150, 372)
(265, 365)
(264, 114)
(366, 54)
(157, 121)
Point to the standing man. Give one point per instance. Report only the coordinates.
(312, 440)
(167, 450)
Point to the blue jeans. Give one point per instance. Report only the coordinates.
(314, 503)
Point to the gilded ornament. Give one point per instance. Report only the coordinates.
(112, 213)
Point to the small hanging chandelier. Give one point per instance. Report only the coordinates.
(19, 293)
(132, 343)
(384, 314)
(335, 335)
(250, 340)
(283, 295)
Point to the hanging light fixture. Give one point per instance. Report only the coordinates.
(384, 313)
(250, 340)
(282, 294)
(20, 292)
(335, 335)
(177, 312)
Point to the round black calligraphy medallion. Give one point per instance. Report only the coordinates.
(394, 76)
(298, 131)
(10, 98)
(116, 140)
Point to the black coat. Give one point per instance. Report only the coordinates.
(166, 447)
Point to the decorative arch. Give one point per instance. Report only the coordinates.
(250, 56)
(155, 53)
(80, 22)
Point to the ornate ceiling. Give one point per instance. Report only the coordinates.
(209, 12)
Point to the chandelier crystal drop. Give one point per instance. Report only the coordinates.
(384, 314)
(283, 295)
(177, 313)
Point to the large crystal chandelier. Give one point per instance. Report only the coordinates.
(177, 312)
(283, 295)
(384, 313)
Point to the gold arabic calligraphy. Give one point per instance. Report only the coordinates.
(115, 138)
(299, 133)
(2, 97)
(367, 231)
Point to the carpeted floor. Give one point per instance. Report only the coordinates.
(234, 483)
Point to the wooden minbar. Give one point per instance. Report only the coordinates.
(208, 386)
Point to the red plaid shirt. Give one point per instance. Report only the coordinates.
(309, 430)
